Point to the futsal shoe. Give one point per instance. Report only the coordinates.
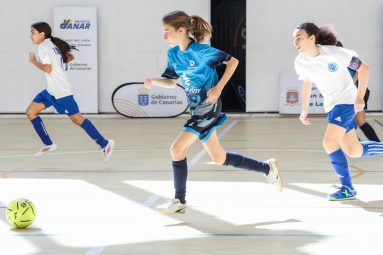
(108, 150)
(172, 206)
(47, 148)
(274, 176)
(344, 193)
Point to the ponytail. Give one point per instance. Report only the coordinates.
(325, 35)
(194, 25)
(200, 28)
(63, 46)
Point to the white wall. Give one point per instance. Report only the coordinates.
(130, 44)
(269, 42)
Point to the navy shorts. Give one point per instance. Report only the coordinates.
(342, 115)
(65, 105)
(206, 118)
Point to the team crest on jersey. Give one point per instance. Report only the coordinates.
(292, 97)
(191, 63)
(332, 67)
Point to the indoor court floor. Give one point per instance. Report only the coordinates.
(86, 206)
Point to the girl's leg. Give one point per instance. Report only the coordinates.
(178, 152)
(331, 143)
(89, 128)
(221, 157)
(32, 113)
(366, 128)
(105, 145)
(355, 149)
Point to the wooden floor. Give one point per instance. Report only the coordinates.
(86, 206)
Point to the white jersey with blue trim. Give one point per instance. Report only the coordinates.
(57, 81)
(329, 72)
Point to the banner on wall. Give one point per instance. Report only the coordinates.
(135, 101)
(77, 25)
(290, 95)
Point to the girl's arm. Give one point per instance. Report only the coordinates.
(306, 95)
(214, 93)
(161, 82)
(363, 75)
(46, 68)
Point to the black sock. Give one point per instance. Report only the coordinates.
(369, 132)
(180, 174)
(240, 161)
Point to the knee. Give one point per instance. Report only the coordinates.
(177, 152)
(352, 151)
(329, 143)
(218, 159)
(31, 114)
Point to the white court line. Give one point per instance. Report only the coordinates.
(153, 198)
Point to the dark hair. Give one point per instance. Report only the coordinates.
(339, 44)
(194, 25)
(62, 45)
(324, 35)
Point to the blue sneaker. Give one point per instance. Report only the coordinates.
(344, 193)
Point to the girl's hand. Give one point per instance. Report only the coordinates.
(213, 94)
(304, 119)
(148, 83)
(359, 105)
(32, 58)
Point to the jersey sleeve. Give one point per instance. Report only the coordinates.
(349, 58)
(300, 71)
(43, 54)
(215, 56)
(170, 72)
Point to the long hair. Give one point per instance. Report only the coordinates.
(62, 45)
(324, 35)
(194, 25)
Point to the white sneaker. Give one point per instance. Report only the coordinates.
(47, 148)
(108, 150)
(274, 176)
(172, 206)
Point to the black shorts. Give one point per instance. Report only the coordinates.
(206, 118)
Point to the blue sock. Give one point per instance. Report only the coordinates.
(240, 161)
(180, 174)
(92, 131)
(372, 149)
(41, 131)
(340, 164)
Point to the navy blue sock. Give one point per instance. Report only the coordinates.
(372, 149)
(180, 175)
(240, 161)
(340, 164)
(92, 131)
(41, 131)
(369, 132)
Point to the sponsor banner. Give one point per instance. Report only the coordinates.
(77, 25)
(135, 101)
(290, 95)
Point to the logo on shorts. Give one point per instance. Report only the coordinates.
(338, 119)
(332, 67)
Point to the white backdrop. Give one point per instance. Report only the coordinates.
(131, 45)
(270, 47)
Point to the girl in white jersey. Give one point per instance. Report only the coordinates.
(52, 53)
(327, 66)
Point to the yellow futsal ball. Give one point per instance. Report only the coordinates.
(21, 213)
